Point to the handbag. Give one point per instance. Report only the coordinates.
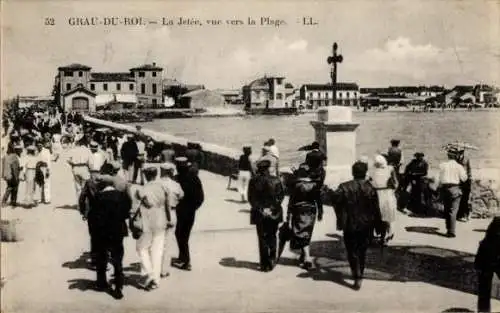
(135, 223)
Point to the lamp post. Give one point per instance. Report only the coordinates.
(333, 60)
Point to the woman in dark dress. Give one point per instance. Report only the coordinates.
(303, 207)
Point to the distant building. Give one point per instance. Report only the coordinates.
(458, 96)
(268, 92)
(39, 101)
(317, 95)
(485, 94)
(231, 96)
(173, 90)
(76, 86)
(201, 99)
(406, 91)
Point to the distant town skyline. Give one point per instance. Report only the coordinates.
(398, 43)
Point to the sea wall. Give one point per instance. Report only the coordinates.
(485, 194)
(219, 160)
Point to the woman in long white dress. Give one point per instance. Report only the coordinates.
(384, 180)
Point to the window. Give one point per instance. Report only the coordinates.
(141, 74)
(143, 88)
(154, 89)
(92, 86)
(105, 87)
(154, 101)
(68, 86)
(310, 95)
(154, 74)
(131, 86)
(118, 87)
(80, 73)
(348, 94)
(279, 81)
(279, 96)
(68, 73)
(340, 95)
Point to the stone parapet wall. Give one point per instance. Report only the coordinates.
(219, 160)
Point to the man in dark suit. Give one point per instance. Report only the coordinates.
(315, 158)
(265, 194)
(356, 206)
(109, 230)
(487, 263)
(186, 210)
(11, 169)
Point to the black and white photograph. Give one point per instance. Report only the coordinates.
(250, 156)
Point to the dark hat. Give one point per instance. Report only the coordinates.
(419, 155)
(395, 141)
(359, 169)
(315, 145)
(264, 164)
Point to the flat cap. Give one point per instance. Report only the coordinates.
(93, 145)
(419, 155)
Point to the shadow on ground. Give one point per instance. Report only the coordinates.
(67, 207)
(457, 310)
(236, 201)
(82, 262)
(442, 267)
(232, 262)
(425, 230)
(132, 274)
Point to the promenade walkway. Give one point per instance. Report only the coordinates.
(421, 272)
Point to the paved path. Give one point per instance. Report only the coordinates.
(421, 272)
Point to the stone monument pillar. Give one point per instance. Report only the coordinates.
(336, 134)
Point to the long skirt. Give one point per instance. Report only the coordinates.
(388, 204)
(303, 220)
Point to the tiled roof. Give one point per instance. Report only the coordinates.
(111, 77)
(147, 67)
(326, 87)
(74, 66)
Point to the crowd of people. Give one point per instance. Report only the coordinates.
(120, 191)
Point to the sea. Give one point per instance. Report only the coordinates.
(425, 132)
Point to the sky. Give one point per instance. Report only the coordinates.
(383, 42)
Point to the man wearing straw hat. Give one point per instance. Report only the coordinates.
(451, 174)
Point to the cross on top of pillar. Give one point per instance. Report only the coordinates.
(335, 58)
